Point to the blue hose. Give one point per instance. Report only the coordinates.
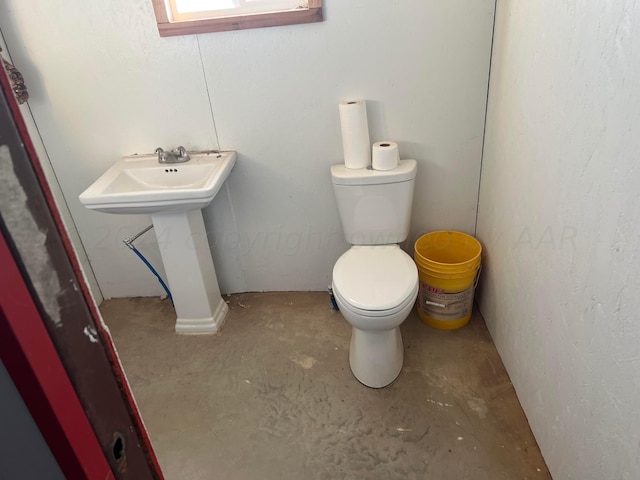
(129, 243)
(153, 270)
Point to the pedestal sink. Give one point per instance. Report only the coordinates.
(174, 195)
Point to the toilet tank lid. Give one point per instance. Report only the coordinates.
(341, 175)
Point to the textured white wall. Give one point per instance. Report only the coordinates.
(560, 222)
(56, 192)
(104, 84)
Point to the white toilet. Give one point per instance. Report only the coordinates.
(375, 283)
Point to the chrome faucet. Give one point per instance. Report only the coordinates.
(179, 155)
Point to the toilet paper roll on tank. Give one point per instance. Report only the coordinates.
(385, 156)
(355, 134)
(357, 149)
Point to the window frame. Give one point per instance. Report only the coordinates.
(167, 28)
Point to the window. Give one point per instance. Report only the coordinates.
(185, 17)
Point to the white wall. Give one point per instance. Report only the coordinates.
(104, 84)
(56, 192)
(560, 222)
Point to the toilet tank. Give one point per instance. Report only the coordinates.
(374, 205)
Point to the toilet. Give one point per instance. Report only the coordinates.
(375, 283)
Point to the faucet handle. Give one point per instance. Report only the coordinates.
(182, 154)
(160, 152)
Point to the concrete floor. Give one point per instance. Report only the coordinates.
(272, 397)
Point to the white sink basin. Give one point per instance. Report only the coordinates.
(139, 184)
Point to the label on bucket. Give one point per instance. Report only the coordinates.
(445, 306)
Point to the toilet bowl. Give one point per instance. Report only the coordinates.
(375, 287)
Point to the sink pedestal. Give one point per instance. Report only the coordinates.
(190, 272)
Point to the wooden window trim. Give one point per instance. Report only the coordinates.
(192, 27)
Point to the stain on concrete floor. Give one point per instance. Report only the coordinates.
(272, 397)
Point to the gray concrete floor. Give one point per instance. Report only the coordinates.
(272, 397)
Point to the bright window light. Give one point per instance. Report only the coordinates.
(182, 10)
(193, 17)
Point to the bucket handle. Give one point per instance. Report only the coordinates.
(477, 279)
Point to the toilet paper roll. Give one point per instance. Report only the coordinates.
(355, 134)
(385, 155)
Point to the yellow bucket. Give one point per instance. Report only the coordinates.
(448, 267)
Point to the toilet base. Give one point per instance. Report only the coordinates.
(376, 356)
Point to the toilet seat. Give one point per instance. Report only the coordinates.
(377, 313)
(375, 280)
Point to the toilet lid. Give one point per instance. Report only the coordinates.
(376, 277)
